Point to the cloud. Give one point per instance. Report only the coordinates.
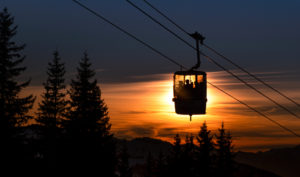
(260, 133)
(140, 112)
(267, 108)
(132, 131)
(143, 131)
(264, 147)
(152, 77)
(168, 132)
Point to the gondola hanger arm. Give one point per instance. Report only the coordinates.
(199, 39)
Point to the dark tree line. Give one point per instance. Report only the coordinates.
(210, 156)
(72, 134)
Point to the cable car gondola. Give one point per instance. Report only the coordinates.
(190, 87)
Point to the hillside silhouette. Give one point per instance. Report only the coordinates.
(250, 164)
(281, 161)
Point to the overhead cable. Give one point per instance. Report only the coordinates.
(176, 63)
(223, 56)
(215, 62)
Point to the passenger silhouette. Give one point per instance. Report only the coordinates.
(188, 89)
(188, 84)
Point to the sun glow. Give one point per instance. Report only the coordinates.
(213, 99)
(167, 96)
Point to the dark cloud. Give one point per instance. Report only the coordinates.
(151, 77)
(278, 111)
(263, 147)
(140, 112)
(168, 132)
(171, 132)
(278, 79)
(260, 133)
(143, 131)
(133, 131)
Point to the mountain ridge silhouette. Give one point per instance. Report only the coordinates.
(259, 164)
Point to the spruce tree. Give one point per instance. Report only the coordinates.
(225, 154)
(177, 149)
(88, 124)
(206, 148)
(175, 161)
(88, 114)
(189, 156)
(52, 109)
(13, 107)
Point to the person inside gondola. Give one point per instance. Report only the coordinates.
(188, 88)
(188, 84)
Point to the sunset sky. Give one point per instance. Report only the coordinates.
(262, 36)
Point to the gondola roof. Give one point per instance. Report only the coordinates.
(190, 72)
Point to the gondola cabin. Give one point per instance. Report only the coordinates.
(189, 90)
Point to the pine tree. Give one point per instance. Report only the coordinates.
(88, 114)
(88, 124)
(225, 154)
(177, 149)
(13, 108)
(206, 147)
(175, 160)
(189, 156)
(52, 109)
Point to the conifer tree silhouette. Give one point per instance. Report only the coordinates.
(189, 150)
(13, 108)
(52, 110)
(225, 153)
(175, 160)
(177, 149)
(92, 146)
(206, 147)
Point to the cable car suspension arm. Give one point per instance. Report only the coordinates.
(199, 39)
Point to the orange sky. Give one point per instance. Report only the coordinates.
(141, 109)
(146, 109)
